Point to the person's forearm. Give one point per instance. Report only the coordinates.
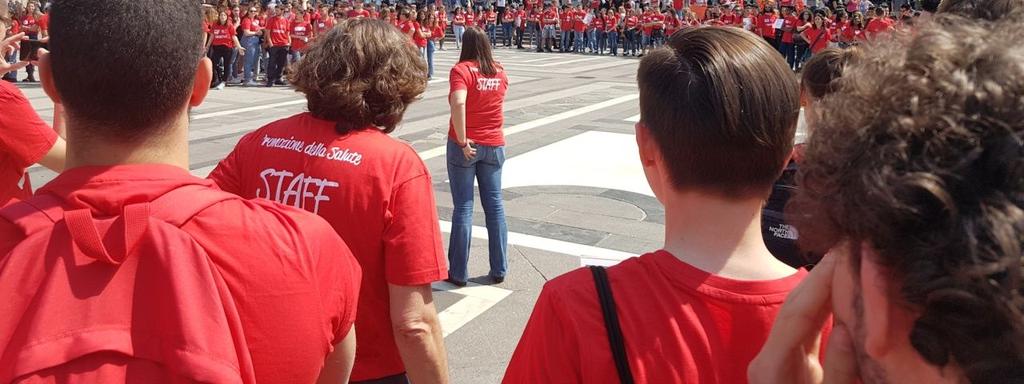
(459, 122)
(421, 345)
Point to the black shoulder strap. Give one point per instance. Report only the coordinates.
(611, 322)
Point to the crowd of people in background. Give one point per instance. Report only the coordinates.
(255, 42)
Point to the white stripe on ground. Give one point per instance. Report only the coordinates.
(439, 123)
(478, 299)
(551, 245)
(435, 152)
(633, 119)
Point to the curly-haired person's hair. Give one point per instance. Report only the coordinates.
(920, 155)
(364, 73)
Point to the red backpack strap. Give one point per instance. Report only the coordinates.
(177, 207)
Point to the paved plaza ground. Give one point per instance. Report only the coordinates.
(574, 190)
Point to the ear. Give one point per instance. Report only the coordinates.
(648, 148)
(46, 76)
(201, 86)
(879, 315)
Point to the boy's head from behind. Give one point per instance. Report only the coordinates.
(125, 82)
(718, 108)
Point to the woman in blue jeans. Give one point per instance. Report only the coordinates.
(476, 151)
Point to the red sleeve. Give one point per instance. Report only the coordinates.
(413, 254)
(458, 79)
(228, 173)
(24, 136)
(548, 351)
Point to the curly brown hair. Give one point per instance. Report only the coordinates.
(364, 73)
(920, 155)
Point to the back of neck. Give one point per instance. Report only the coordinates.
(719, 236)
(167, 146)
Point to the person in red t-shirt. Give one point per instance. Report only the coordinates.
(631, 30)
(699, 309)
(223, 41)
(786, 43)
(459, 26)
(324, 22)
(291, 282)
(878, 24)
(508, 24)
(29, 25)
(301, 34)
(358, 12)
(278, 39)
(25, 139)
(549, 20)
(252, 28)
(817, 36)
(476, 151)
(579, 28)
(767, 23)
(855, 34)
(611, 30)
(373, 189)
(490, 19)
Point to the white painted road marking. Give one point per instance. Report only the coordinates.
(438, 151)
(478, 299)
(633, 119)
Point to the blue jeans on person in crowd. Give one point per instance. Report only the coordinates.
(613, 42)
(492, 34)
(11, 59)
(566, 40)
(602, 41)
(252, 56)
(430, 58)
(485, 168)
(507, 36)
(579, 41)
(593, 40)
(459, 30)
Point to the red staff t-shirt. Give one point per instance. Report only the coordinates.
(324, 25)
(374, 191)
(301, 30)
(698, 328)
(485, 101)
(818, 38)
(223, 34)
(768, 25)
(24, 140)
(789, 22)
(251, 24)
(279, 28)
(354, 14)
(293, 280)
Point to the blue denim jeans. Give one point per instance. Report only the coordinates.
(459, 30)
(252, 56)
(430, 58)
(485, 168)
(566, 40)
(580, 41)
(613, 42)
(492, 34)
(506, 37)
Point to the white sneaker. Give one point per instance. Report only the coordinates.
(220, 87)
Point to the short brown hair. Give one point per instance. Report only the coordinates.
(820, 75)
(120, 81)
(363, 72)
(921, 155)
(723, 106)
